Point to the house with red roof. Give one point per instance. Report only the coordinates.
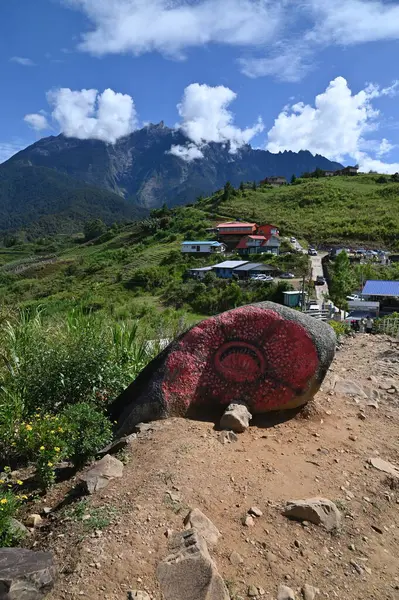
(259, 244)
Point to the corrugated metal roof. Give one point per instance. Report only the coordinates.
(236, 224)
(209, 242)
(381, 288)
(248, 267)
(230, 264)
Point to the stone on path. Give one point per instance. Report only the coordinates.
(384, 466)
(309, 592)
(189, 573)
(255, 511)
(267, 355)
(18, 529)
(204, 526)
(138, 595)
(34, 520)
(236, 417)
(319, 511)
(248, 521)
(25, 575)
(99, 476)
(226, 437)
(346, 387)
(236, 559)
(285, 593)
(252, 591)
(118, 445)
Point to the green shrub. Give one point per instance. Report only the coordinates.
(9, 535)
(340, 328)
(87, 430)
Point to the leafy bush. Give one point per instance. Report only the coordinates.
(340, 327)
(9, 535)
(87, 430)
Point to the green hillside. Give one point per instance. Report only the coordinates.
(329, 210)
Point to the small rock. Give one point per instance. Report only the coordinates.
(309, 592)
(99, 476)
(46, 510)
(353, 438)
(361, 415)
(255, 511)
(352, 547)
(384, 466)
(319, 511)
(226, 437)
(248, 521)
(236, 418)
(357, 567)
(198, 521)
(117, 445)
(252, 591)
(236, 559)
(34, 520)
(138, 595)
(285, 593)
(18, 529)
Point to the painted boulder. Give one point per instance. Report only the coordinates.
(266, 355)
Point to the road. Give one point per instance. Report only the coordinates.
(317, 269)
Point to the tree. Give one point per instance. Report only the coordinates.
(93, 229)
(293, 178)
(242, 186)
(254, 186)
(227, 191)
(342, 281)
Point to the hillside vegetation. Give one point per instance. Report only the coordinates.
(324, 210)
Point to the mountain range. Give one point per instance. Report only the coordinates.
(60, 179)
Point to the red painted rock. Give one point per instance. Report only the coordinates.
(266, 355)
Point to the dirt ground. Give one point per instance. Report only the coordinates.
(181, 464)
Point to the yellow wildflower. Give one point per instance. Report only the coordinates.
(42, 448)
(1, 481)
(57, 449)
(19, 482)
(60, 430)
(49, 464)
(28, 427)
(3, 501)
(52, 431)
(24, 497)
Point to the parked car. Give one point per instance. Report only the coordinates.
(320, 280)
(312, 252)
(353, 297)
(287, 276)
(292, 240)
(262, 277)
(312, 305)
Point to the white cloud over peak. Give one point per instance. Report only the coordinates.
(188, 153)
(89, 114)
(24, 62)
(335, 126)
(37, 121)
(206, 117)
(139, 26)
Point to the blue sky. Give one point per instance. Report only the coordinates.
(279, 74)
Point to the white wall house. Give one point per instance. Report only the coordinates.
(207, 247)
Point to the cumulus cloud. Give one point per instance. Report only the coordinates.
(335, 126)
(188, 153)
(88, 114)
(24, 62)
(206, 117)
(139, 26)
(37, 121)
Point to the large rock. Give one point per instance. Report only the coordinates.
(236, 417)
(266, 355)
(204, 526)
(25, 575)
(189, 573)
(99, 476)
(285, 593)
(319, 511)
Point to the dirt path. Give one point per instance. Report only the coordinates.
(181, 464)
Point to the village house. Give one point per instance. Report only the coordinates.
(203, 247)
(348, 171)
(267, 230)
(231, 233)
(275, 181)
(250, 269)
(225, 269)
(329, 173)
(384, 292)
(259, 244)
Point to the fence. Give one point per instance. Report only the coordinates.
(389, 326)
(323, 315)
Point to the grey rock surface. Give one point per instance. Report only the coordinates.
(319, 511)
(204, 526)
(236, 418)
(99, 476)
(189, 573)
(25, 575)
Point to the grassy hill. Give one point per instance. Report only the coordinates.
(325, 210)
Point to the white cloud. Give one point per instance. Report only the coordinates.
(139, 26)
(88, 114)
(385, 147)
(37, 121)
(8, 149)
(335, 126)
(288, 62)
(207, 118)
(20, 60)
(188, 153)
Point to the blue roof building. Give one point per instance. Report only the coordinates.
(386, 289)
